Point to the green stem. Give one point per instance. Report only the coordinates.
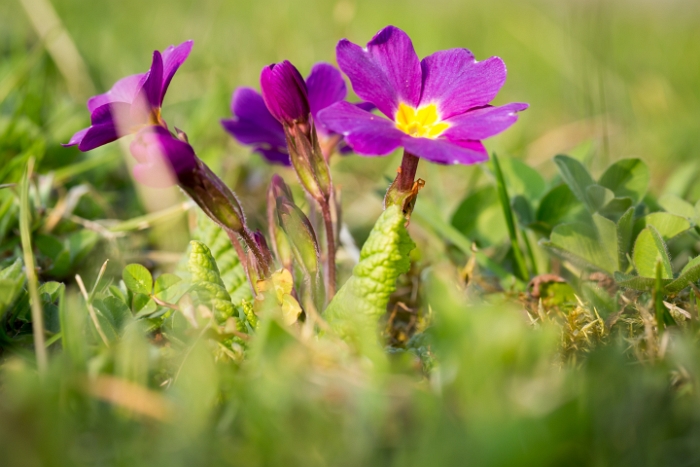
(32, 279)
(510, 221)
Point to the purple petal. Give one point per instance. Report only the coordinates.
(98, 135)
(124, 90)
(443, 151)
(483, 123)
(366, 133)
(161, 157)
(154, 83)
(386, 72)
(274, 156)
(456, 82)
(252, 122)
(76, 138)
(173, 58)
(284, 92)
(325, 86)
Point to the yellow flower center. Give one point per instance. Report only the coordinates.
(421, 123)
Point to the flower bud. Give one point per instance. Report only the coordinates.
(280, 244)
(308, 161)
(304, 245)
(284, 93)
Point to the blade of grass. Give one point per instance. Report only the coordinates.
(510, 221)
(32, 279)
(144, 222)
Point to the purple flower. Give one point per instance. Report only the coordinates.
(437, 107)
(161, 158)
(253, 124)
(132, 103)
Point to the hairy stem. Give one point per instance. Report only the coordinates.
(330, 255)
(402, 186)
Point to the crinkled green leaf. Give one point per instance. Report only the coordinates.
(207, 286)
(230, 268)
(358, 305)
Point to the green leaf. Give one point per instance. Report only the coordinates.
(230, 268)
(522, 179)
(207, 286)
(576, 177)
(689, 274)
(678, 206)
(627, 178)
(616, 208)
(356, 308)
(624, 236)
(643, 284)
(11, 282)
(479, 217)
(80, 243)
(523, 210)
(599, 196)
(649, 249)
(504, 198)
(138, 279)
(114, 310)
(559, 205)
(668, 225)
(591, 246)
(170, 288)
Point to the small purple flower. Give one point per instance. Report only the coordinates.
(437, 107)
(133, 102)
(161, 158)
(254, 125)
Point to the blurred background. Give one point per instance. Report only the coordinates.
(620, 78)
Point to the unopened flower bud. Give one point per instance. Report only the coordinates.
(284, 92)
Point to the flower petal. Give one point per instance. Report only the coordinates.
(483, 123)
(124, 90)
(284, 92)
(366, 133)
(386, 72)
(161, 157)
(98, 135)
(252, 122)
(444, 151)
(76, 138)
(173, 58)
(154, 83)
(325, 86)
(274, 156)
(456, 82)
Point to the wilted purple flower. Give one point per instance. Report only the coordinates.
(437, 107)
(133, 102)
(161, 157)
(254, 125)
